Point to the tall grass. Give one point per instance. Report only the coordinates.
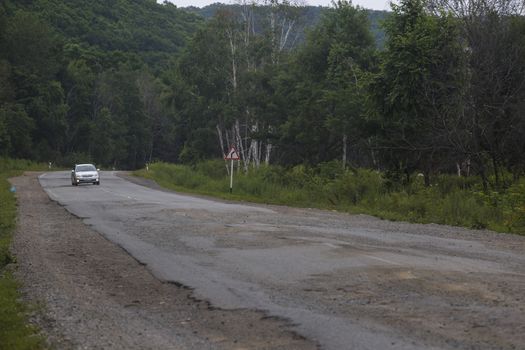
(449, 200)
(15, 333)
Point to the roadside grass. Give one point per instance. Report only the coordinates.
(15, 331)
(450, 200)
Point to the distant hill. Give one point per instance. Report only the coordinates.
(309, 17)
(153, 31)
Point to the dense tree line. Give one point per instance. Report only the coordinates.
(444, 95)
(309, 18)
(127, 82)
(79, 79)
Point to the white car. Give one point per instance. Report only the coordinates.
(85, 173)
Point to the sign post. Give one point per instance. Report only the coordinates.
(231, 156)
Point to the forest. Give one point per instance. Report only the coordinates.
(123, 83)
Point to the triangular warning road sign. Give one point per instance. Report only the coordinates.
(232, 154)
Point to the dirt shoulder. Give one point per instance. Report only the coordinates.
(95, 296)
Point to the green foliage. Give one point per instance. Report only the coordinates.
(323, 87)
(17, 127)
(15, 333)
(179, 176)
(449, 200)
(513, 203)
(213, 168)
(311, 15)
(7, 221)
(10, 165)
(355, 187)
(418, 88)
(75, 78)
(510, 206)
(153, 31)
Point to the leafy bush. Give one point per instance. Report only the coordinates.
(355, 186)
(330, 170)
(8, 165)
(300, 176)
(215, 169)
(447, 183)
(508, 207)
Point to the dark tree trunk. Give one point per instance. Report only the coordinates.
(496, 170)
(426, 176)
(483, 175)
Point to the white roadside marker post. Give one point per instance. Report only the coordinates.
(232, 155)
(231, 177)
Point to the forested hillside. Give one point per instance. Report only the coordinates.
(144, 28)
(309, 18)
(126, 82)
(76, 76)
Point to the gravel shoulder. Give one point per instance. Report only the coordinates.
(93, 295)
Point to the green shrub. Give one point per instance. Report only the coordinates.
(353, 187)
(271, 174)
(447, 183)
(330, 170)
(463, 208)
(299, 176)
(215, 169)
(514, 211)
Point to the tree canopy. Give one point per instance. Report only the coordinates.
(125, 82)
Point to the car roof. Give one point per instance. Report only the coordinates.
(83, 164)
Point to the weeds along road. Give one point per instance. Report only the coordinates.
(339, 281)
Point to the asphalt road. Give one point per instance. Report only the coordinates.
(346, 282)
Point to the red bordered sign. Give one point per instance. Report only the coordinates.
(232, 154)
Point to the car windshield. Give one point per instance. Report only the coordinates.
(85, 168)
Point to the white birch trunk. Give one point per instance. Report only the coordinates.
(268, 153)
(259, 153)
(240, 144)
(285, 34)
(255, 146)
(253, 152)
(234, 64)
